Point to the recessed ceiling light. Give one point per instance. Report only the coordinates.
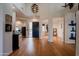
(34, 19)
(13, 7)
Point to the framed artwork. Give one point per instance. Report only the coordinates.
(54, 31)
(73, 30)
(8, 23)
(47, 27)
(8, 27)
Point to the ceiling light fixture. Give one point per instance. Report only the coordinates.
(35, 8)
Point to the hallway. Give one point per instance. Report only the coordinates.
(38, 24)
(41, 47)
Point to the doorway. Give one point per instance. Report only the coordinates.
(35, 29)
(58, 29)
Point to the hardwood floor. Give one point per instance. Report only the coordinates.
(41, 47)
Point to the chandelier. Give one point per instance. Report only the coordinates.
(35, 8)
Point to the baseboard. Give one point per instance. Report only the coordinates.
(7, 54)
(69, 42)
(10, 53)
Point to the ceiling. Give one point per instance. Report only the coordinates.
(20, 16)
(46, 10)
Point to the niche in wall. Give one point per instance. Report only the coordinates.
(8, 23)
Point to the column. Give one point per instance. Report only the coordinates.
(77, 33)
(40, 30)
(14, 20)
(27, 28)
(50, 30)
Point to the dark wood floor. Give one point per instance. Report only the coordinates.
(41, 47)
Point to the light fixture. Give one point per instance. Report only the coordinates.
(35, 8)
(35, 20)
(13, 7)
(69, 4)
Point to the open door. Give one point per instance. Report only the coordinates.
(24, 32)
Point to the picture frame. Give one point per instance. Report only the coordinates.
(8, 27)
(8, 23)
(54, 31)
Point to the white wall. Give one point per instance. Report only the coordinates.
(68, 17)
(7, 42)
(1, 30)
(77, 33)
(6, 37)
